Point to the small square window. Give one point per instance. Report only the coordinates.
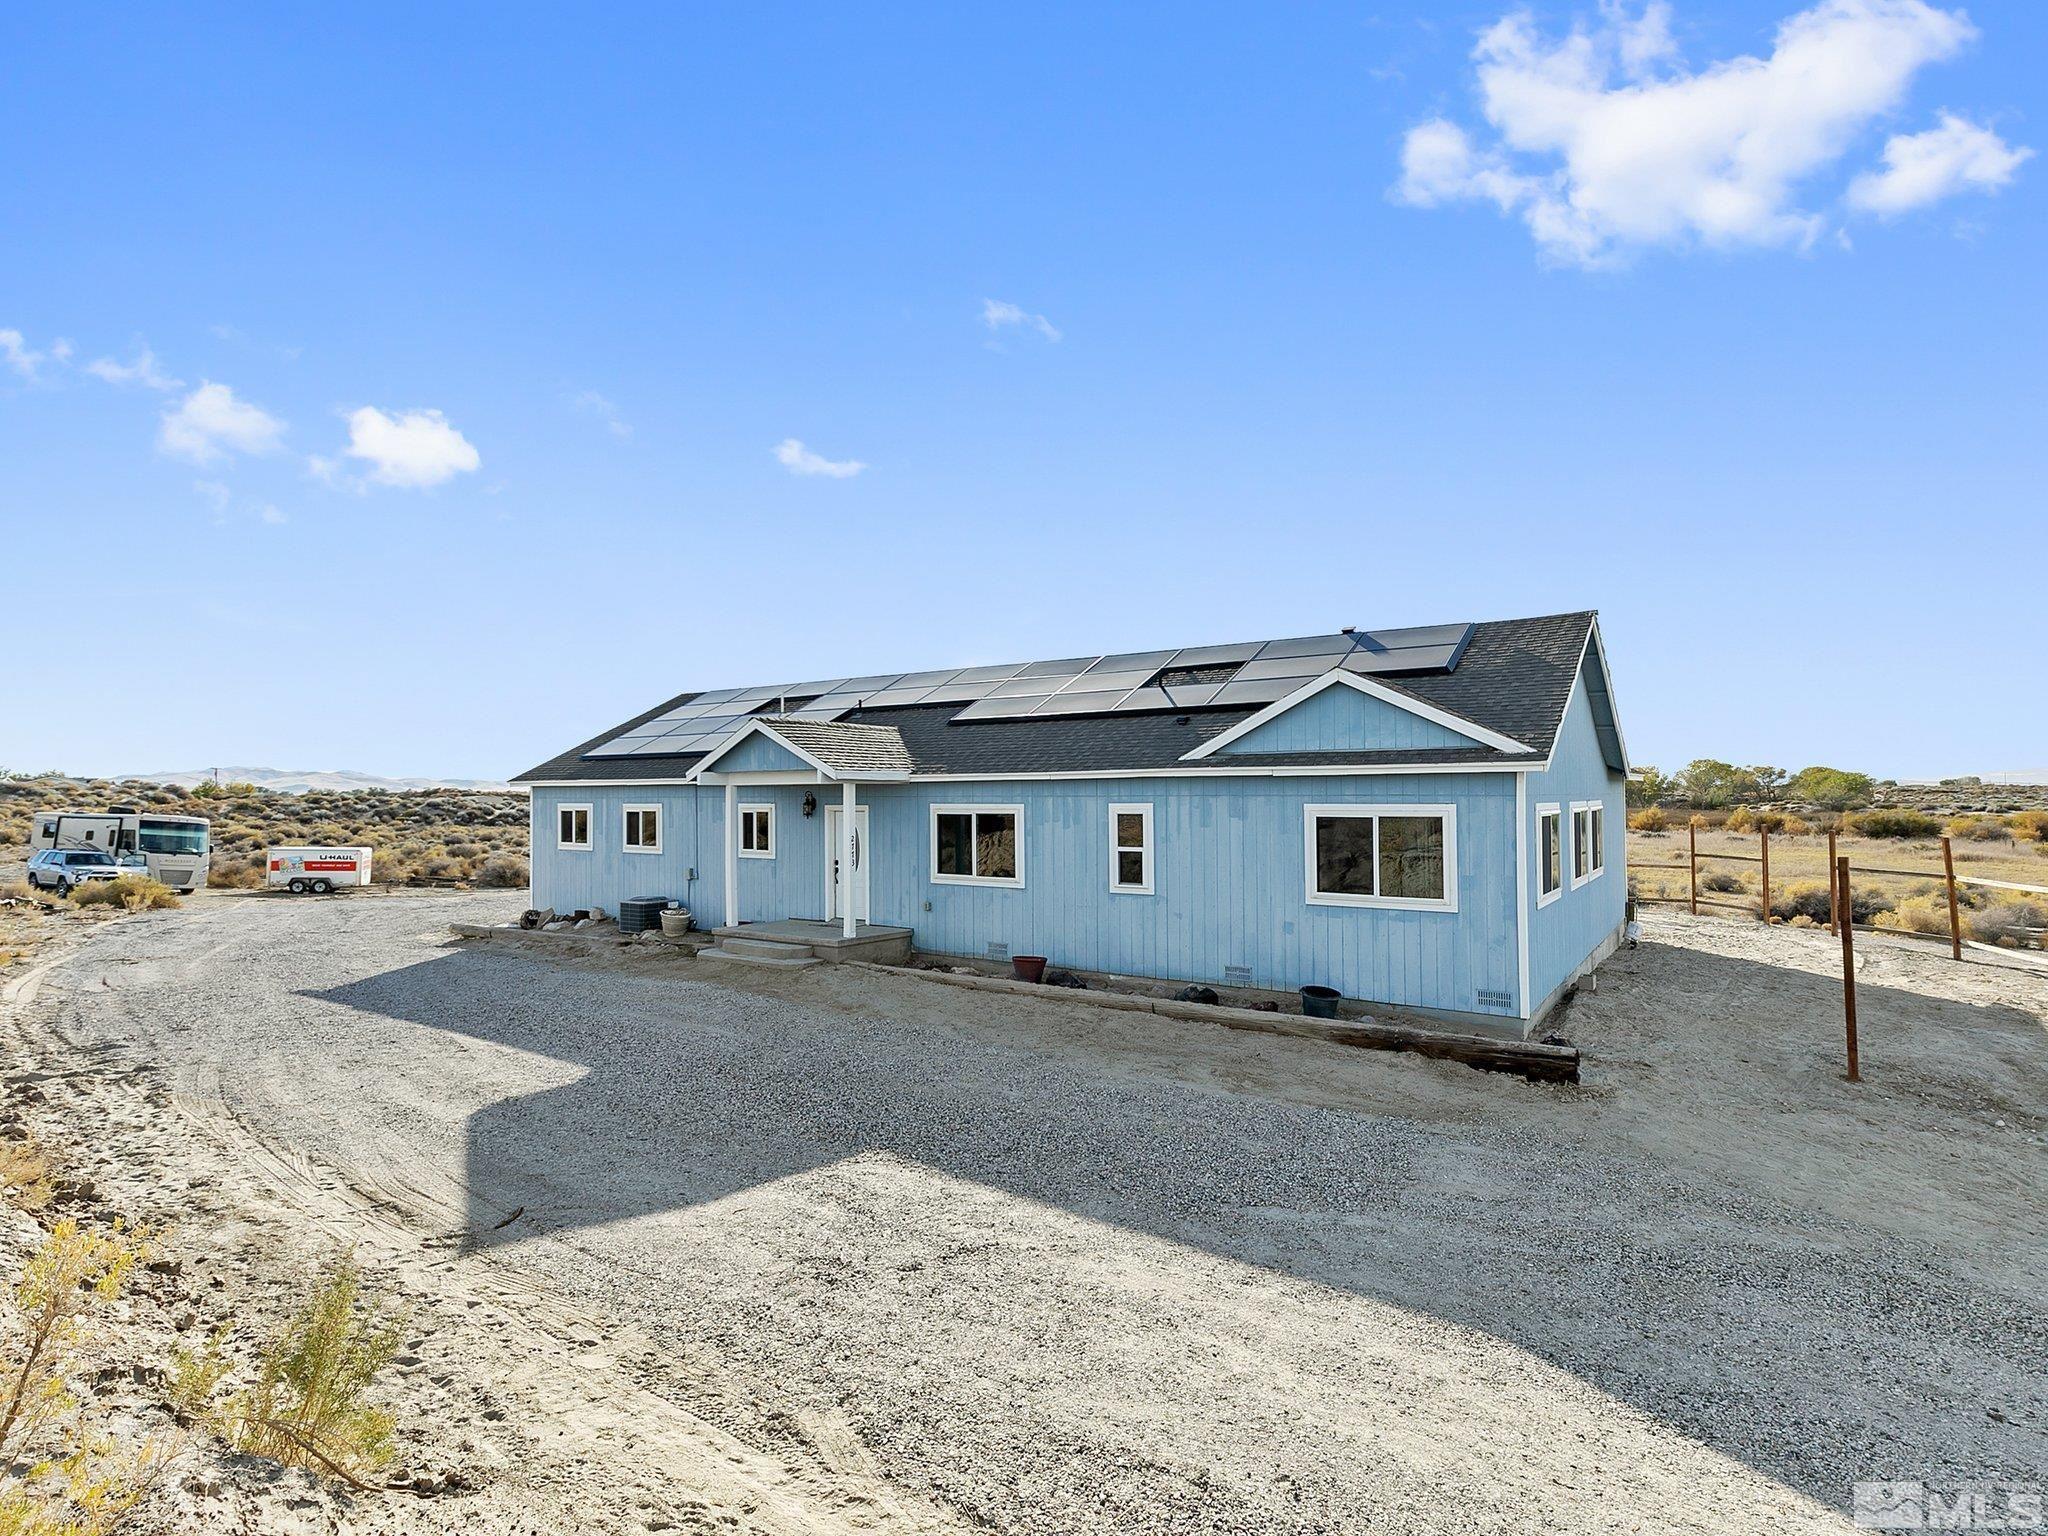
(572, 826)
(643, 829)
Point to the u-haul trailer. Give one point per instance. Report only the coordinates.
(318, 870)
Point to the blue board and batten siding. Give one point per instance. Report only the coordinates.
(1582, 923)
(1229, 900)
(1229, 878)
(1340, 719)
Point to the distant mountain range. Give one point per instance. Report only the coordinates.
(297, 781)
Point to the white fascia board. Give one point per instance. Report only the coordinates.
(1327, 771)
(1478, 734)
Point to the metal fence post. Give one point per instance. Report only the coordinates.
(1692, 845)
(1848, 969)
(1833, 910)
(1955, 917)
(1764, 844)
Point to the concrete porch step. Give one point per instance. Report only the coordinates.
(767, 949)
(756, 957)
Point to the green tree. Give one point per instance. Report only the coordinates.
(1838, 789)
(1648, 786)
(1711, 784)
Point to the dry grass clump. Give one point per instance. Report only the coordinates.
(1777, 823)
(1978, 829)
(1719, 880)
(2030, 825)
(1650, 818)
(2009, 924)
(25, 1173)
(307, 1405)
(131, 893)
(17, 890)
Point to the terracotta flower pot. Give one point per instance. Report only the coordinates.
(1028, 967)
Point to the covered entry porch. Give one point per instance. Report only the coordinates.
(833, 761)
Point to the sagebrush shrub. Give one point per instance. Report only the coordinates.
(132, 893)
(1892, 822)
(1649, 819)
(1721, 881)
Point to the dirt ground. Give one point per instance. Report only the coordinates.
(689, 1245)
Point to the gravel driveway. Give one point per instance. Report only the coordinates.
(1059, 1269)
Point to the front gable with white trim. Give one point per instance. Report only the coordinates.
(1340, 712)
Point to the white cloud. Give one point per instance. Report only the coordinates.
(215, 494)
(592, 403)
(999, 313)
(1604, 142)
(143, 371)
(211, 421)
(413, 448)
(799, 460)
(271, 515)
(1923, 168)
(16, 353)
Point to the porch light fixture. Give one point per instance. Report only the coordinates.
(810, 804)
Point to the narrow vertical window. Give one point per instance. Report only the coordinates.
(1550, 852)
(1589, 837)
(1130, 849)
(757, 831)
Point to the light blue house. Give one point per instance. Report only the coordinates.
(1429, 820)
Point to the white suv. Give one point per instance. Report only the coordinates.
(64, 869)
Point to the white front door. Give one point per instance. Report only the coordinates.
(834, 881)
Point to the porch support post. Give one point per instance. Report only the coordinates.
(848, 922)
(732, 853)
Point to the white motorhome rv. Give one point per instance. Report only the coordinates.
(318, 870)
(178, 850)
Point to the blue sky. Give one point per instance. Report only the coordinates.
(1349, 316)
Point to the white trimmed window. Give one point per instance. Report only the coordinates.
(757, 831)
(1549, 853)
(1589, 841)
(1130, 849)
(572, 826)
(643, 829)
(978, 845)
(1403, 856)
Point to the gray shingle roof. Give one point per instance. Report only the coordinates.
(845, 746)
(1515, 677)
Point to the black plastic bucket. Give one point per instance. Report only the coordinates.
(1320, 1002)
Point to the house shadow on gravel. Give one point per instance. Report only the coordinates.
(1777, 1338)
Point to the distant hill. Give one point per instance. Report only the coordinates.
(299, 781)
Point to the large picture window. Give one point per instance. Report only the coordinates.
(978, 844)
(1549, 853)
(643, 829)
(1402, 856)
(572, 826)
(757, 832)
(1130, 849)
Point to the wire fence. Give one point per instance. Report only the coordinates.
(1841, 902)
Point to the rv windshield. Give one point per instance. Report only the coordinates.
(172, 837)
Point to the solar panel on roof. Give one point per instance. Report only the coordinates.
(1246, 674)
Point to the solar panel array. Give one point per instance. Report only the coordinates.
(1247, 675)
